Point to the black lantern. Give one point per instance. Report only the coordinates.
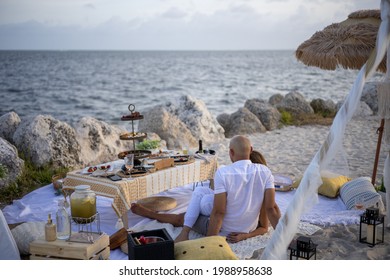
(303, 248)
(372, 230)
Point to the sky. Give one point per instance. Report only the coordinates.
(168, 24)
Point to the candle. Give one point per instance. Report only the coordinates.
(370, 234)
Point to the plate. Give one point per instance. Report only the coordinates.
(207, 152)
(136, 169)
(282, 182)
(137, 154)
(181, 158)
(91, 169)
(132, 136)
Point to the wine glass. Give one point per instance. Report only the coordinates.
(129, 163)
(359, 203)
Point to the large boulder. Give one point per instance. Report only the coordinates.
(295, 104)
(10, 161)
(169, 127)
(241, 122)
(268, 115)
(363, 110)
(370, 96)
(99, 142)
(326, 108)
(8, 125)
(275, 99)
(183, 123)
(46, 140)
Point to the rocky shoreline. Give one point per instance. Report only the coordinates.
(45, 140)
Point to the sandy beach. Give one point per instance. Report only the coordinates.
(290, 150)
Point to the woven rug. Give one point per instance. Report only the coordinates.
(244, 249)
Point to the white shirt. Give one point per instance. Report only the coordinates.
(245, 183)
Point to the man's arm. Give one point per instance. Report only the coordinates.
(272, 209)
(217, 214)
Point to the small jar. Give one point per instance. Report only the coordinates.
(83, 204)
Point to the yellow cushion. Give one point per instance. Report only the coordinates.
(330, 186)
(205, 248)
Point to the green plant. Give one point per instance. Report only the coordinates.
(31, 178)
(148, 144)
(3, 171)
(381, 187)
(286, 118)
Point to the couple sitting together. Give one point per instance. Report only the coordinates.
(241, 205)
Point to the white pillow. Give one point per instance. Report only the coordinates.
(361, 187)
(26, 233)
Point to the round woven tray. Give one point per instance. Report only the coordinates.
(158, 203)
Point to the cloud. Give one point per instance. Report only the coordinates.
(174, 13)
(232, 25)
(89, 6)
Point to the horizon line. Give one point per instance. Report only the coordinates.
(152, 50)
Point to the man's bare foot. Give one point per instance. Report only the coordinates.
(183, 235)
(142, 210)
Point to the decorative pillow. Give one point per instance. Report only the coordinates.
(330, 185)
(205, 248)
(26, 233)
(362, 188)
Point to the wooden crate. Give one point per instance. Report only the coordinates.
(61, 249)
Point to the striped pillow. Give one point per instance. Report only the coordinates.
(360, 187)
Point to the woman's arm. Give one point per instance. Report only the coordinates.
(261, 229)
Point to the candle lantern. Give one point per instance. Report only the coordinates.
(303, 248)
(371, 230)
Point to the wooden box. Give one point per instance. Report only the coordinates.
(164, 163)
(62, 250)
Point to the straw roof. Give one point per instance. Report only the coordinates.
(347, 44)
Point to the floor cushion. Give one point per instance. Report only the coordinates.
(205, 248)
(361, 188)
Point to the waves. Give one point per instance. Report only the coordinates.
(70, 85)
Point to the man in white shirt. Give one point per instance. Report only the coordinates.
(241, 191)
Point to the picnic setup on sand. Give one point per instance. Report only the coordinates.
(87, 215)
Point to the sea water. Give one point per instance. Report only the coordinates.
(72, 84)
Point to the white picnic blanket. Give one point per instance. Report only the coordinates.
(36, 205)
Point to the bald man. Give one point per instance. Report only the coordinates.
(241, 190)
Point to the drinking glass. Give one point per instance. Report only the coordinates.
(129, 163)
(359, 203)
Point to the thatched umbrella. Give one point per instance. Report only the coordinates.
(347, 44)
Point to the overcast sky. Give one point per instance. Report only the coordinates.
(168, 24)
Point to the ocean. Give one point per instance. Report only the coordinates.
(71, 84)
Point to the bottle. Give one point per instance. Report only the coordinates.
(63, 221)
(83, 204)
(200, 151)
(50, 230)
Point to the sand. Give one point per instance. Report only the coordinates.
(291, 149)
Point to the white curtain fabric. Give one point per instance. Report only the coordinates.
(307, 191)
(8, 248)
(386, 181)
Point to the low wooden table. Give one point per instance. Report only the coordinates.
(125, 192)
(61, 250)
